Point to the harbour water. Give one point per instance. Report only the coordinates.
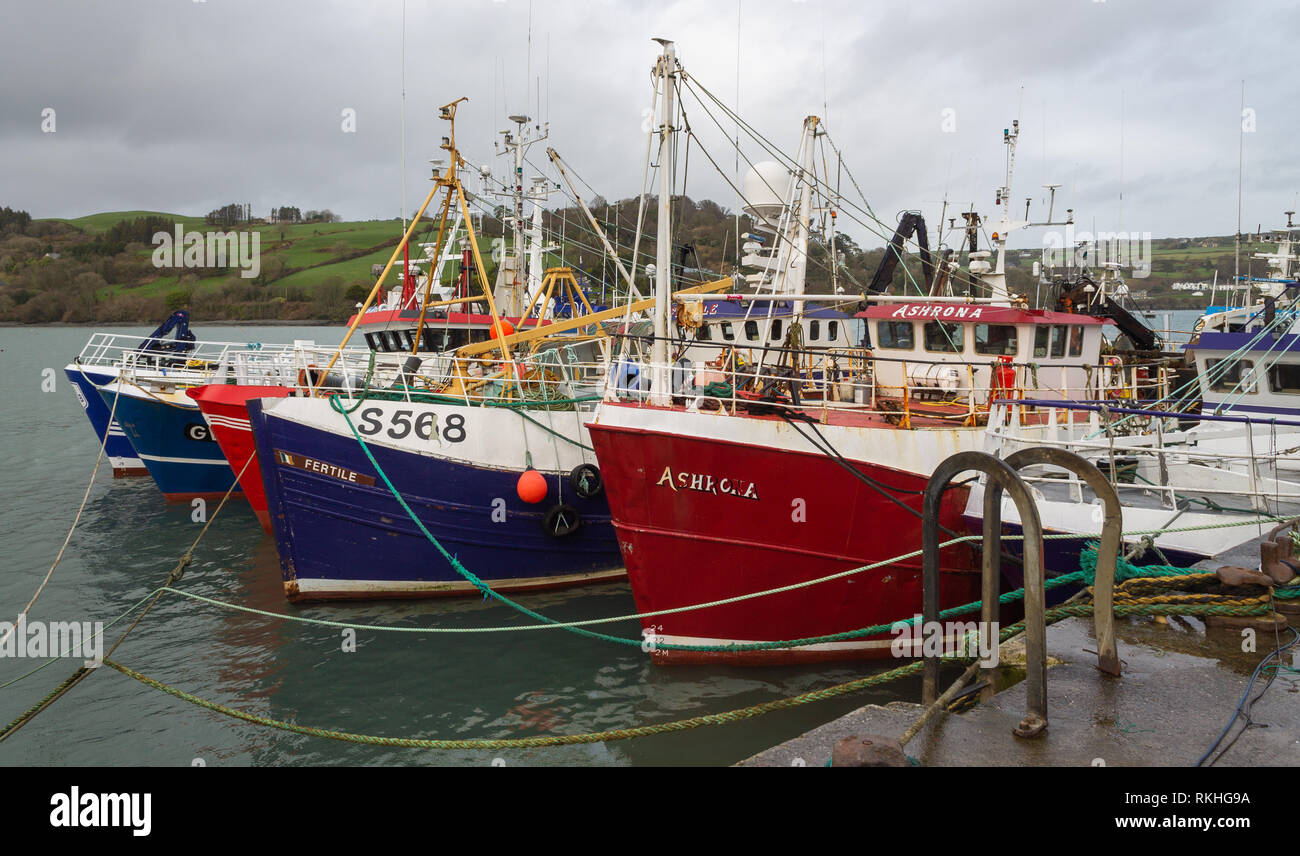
(502, 684)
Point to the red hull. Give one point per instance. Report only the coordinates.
(685, 546)
(224, 407)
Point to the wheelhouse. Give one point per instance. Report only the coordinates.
(754, 324)
(1248, 371)
(951, 346)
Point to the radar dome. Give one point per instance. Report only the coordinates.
(765, 187)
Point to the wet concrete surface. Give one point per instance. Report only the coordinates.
(1180, 686)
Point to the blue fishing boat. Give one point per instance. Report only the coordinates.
(99, 363)
(342, 534)
(171, 438)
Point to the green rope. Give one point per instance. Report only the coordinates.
(1126, 570)
(549, 430)
(365, 390)
(737, 715)
(95, 635)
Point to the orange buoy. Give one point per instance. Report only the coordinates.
(505, 328)
(531, 487)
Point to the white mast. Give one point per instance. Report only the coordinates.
(996, 279)
(512, 282)
(660, 392)
(537, 196)
(517, 191)
(799, 263)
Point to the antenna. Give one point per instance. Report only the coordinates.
(1121, 159)
(736, 141)
(1241, 149)
(528, 65)
(403, 116)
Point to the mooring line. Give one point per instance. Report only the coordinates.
(1052, 615)
(176, 573)
(112, 412)
(64, 653)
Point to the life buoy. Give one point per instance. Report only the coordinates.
(309, 378)
(561, 520)
(586, 481)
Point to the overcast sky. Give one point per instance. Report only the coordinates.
(182, 106)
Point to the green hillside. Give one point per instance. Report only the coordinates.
(101, 267)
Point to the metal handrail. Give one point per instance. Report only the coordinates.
(1002, 476)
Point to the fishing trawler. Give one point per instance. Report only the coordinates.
(482, 450)
(513, 405)
(1247, 298)
(1205, 468)
(788, 481)
(1201, 479)
(99, 363)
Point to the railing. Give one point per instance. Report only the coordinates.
(843, 380)
(1148, 453)
(899, 388)
(555, 374)
(198, 364)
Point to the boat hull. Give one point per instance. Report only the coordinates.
(121, 454)
(169, 435)
(702, 518)
(225, 408)
(341, 534)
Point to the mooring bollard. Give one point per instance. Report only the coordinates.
(1103, 591)
(1276, 551)
(1001, 476)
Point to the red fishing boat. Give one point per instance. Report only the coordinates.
(791, 474)
(224, 408)
(714, 499)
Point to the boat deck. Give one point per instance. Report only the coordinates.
(888, 413)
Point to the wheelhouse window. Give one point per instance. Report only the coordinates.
(776, 330)
(1076, 340)
(703, 334)
(751, 330)
(943, 338)
(1226, 375)
(1041, 336)
(1059, 332)
(996, 340)
(814, 331)
(832, 330)
(897, 335)
(1285, 378)
(727, 332)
